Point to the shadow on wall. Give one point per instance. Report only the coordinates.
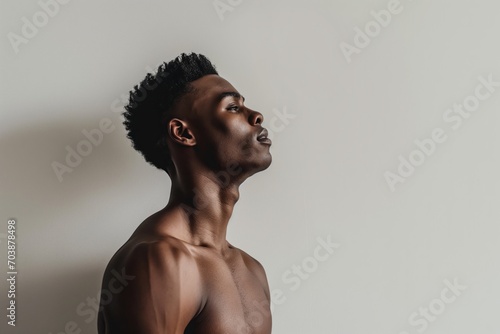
(65, 302)
(31, 184)
(50, 288)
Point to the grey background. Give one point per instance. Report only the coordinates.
(352, 121)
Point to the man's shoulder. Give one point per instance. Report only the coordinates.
(249, 260)
(162, 251)
(254, 266)
(161, 276)
(161, 256)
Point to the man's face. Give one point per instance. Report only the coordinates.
(229, 135)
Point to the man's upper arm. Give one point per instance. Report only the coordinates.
(163, 296)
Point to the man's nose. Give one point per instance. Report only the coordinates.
(256, 118)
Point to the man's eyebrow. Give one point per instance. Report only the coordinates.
(233, 94)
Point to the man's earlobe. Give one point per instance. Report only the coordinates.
(180, 133)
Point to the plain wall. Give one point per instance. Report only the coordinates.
(352, 119)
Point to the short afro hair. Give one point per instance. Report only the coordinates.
(151, 103)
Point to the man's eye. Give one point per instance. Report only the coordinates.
(233, 108)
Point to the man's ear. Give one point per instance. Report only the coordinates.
(180, 133)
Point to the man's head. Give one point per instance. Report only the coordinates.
(186, 113)
(152, 103)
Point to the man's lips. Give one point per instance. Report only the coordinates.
(262, 137)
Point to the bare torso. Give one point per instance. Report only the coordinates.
(201, 289)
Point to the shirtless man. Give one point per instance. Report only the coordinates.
(181, 274)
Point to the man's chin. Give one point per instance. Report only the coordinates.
(264, 163)
(269, 161)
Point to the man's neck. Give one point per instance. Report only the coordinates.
(205, 207)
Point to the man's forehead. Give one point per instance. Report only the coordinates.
(212, 86)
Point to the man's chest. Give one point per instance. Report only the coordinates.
(236, 300)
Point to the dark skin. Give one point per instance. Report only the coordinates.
(187, 278)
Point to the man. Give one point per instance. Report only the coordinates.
(177, 273)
